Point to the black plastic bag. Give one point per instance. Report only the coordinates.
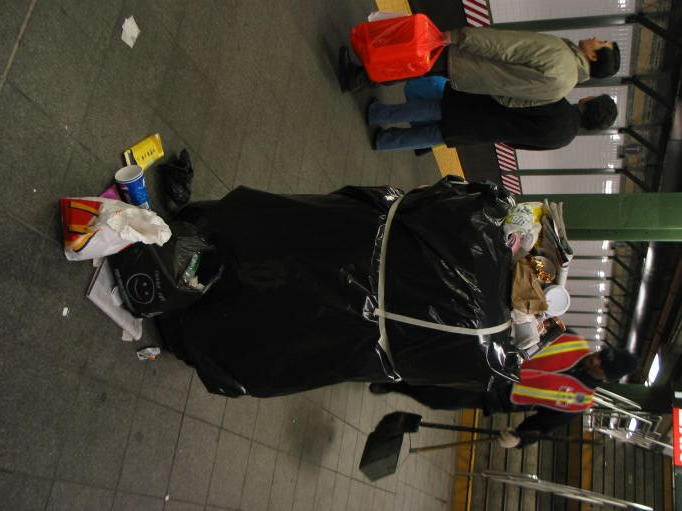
(153, 280)
(176, 177)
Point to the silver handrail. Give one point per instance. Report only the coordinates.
(531, 481)
(618, 397)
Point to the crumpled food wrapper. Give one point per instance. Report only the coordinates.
(130, 31)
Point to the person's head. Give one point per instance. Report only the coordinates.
(604, 57)
(609, 364)
(597, 112)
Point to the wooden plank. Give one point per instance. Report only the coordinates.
(586, 461)
(560, 468)
(545, 471)
(481, 459)
(629, 472)
(658, 481)
(619, 468)
(530, 466)
(609, 457)
(464, 462)
(512, 499)
(668, 495)
(639, 475)
(649, 478)
(598, 467)
(496, 490)
(574, 462)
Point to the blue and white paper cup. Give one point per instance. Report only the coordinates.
(130, 181)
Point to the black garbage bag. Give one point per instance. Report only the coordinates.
(296, 306)
(284, 317)
(156, 279)
(176, 178)
(447, 264)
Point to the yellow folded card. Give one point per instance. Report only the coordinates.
(145, 152)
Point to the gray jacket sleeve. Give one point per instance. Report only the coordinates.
(517, 68)
(530, 49)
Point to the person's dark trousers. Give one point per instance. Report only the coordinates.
(436, 397)
(353, 77)
(440, 66)
(425, 112)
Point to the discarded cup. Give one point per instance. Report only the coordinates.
(148, 353)
(131, 184)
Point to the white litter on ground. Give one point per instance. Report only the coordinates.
(130, 31)
(65, 312)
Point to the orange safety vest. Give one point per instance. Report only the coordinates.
(542, 383)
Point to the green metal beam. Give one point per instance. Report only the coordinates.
(620, 217)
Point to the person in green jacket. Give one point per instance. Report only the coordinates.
(518, 69)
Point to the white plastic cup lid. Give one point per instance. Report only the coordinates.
(558, 300)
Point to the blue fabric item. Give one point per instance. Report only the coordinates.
(413, 111)
(425, 87)
(418, 137)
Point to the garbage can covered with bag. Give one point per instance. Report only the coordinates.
(314, 292)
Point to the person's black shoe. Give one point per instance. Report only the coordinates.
(352, 77)
(344, 68)
(373, 141)
(176, 178)
(422, 151)
(379, 388)
(369, 105)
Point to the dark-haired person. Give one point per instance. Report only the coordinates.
(465, 119)
(558, 382)
(516, 68)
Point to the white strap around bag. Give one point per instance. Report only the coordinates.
(383, 314)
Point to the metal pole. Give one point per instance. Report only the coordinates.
(562, 172)
(649, 91)
(634, 179)
(639, 138)
(625, 267)
(564, 23)
(452, 444)
(656, 29)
